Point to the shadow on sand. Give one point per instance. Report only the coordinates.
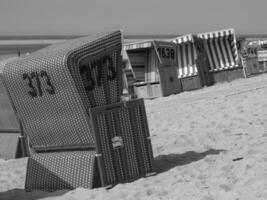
(164, 163)
(22, 195)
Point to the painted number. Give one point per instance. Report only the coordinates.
(34, 78)
(166, 52)
(90, 79)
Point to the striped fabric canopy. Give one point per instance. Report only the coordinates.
(221, 49)
(138, 45)
(215, 34)
(184, 38)
(186, 55)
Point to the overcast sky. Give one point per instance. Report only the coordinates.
(81, 17)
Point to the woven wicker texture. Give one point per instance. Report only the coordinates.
(122, 138)
(51, 89)
(60, 170)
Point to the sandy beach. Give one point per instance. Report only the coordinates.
(208, 144)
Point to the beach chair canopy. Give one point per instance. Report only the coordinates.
(53, 88)
(221, 49)
(189, 47)
(184, 39)
(164, 50)
(146, 56)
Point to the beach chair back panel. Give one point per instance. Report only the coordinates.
(122, 140)
(61, 170)
(48, 94)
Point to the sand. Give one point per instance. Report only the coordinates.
(209, 144)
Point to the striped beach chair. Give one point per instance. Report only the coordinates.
(222, 53)
(55, 92)
(192, 66)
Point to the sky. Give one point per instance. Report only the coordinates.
(84, 17)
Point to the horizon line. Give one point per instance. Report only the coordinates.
(126, 36)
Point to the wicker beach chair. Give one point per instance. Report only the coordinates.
(53, 88)
(59, 94)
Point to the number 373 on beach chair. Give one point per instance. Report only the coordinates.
(67, 98)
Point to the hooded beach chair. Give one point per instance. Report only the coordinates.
(222, 55)
(66, 97)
